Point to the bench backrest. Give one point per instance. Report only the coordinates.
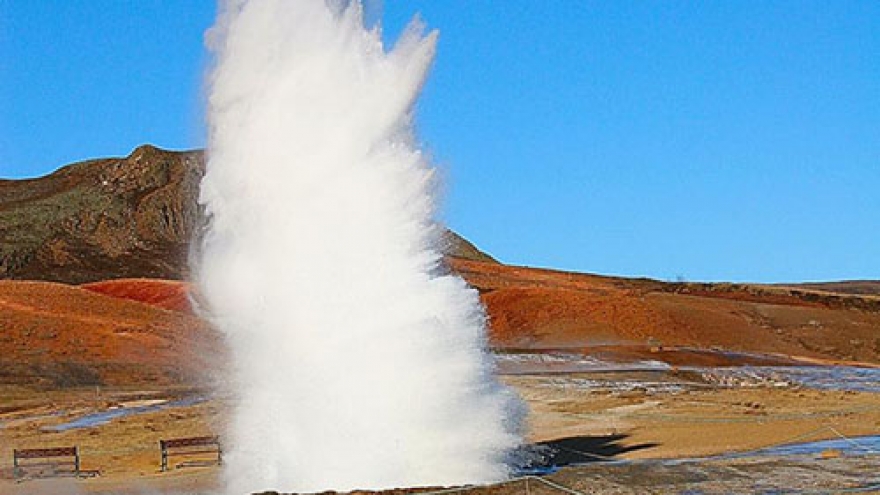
(44, 453)
(189, 442)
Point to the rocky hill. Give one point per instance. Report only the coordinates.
(113, 218)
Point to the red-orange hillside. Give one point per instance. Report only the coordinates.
(63, 335)
(544, 309)
(540, 309)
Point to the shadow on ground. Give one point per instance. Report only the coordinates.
(583, 449)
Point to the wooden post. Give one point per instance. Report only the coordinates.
(164, 455)
(76, 461)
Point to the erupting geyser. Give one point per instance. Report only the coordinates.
(358, 361)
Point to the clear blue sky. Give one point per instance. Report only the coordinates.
(735, 140)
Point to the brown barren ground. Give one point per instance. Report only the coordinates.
(60, 336)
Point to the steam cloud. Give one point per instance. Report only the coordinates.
(358, 361)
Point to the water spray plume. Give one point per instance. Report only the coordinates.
(358, 361)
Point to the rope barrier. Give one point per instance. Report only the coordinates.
(732, 420)
(813, 433)
(572, 491)
(551, 484)
(803, 436)
(588, 455)
(860, 489)
(457, 489)
(512, 481)
(851, 441)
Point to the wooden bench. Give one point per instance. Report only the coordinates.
(207, 448)
(59, 461)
